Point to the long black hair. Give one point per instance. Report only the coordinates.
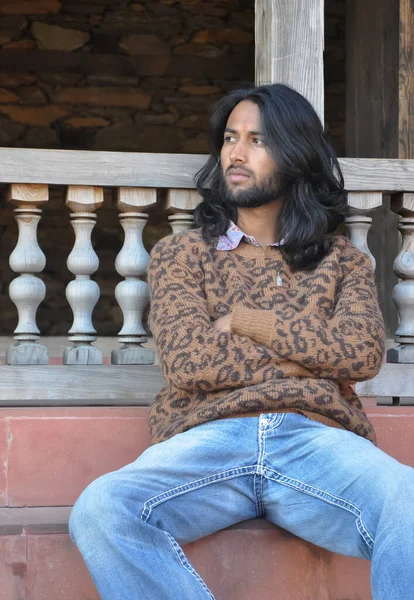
(314, 199)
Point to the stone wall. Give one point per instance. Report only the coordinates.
(128, 76)
(119, 75)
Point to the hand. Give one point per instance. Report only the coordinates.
(222, 324)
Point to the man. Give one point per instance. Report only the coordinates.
(262, 321)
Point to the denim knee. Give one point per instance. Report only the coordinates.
(95, 508)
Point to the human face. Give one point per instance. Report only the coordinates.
(249, 174)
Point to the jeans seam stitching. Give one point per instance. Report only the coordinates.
(278, 421)
(259, 472)
(326, 497)
(191, 486)
(186, 564)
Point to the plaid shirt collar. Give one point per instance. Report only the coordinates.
(233, 237)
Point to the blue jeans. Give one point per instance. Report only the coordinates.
(325, 485)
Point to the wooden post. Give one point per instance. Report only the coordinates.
(83, 293)
(289, 46)
(380, 105)
(132, 261)
(27, 291)
(181, 204)
(403, 294)
(359, 223)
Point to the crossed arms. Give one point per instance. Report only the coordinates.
(197, 354)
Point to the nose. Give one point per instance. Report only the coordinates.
(238, 153)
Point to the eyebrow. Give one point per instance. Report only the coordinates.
(229, 130)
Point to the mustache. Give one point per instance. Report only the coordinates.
(242, 169)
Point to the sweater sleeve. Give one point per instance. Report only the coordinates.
(349, 346)
(193, 355)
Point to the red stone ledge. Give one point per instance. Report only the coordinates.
(237, 564)
(49, 455)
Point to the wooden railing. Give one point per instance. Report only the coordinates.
(136, 178)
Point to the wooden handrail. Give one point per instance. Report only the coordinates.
(142, 169)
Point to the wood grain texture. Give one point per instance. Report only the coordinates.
(31, 194)
(372, 78)
(70, 167)
(182, 200)
(79, 385)
(364, 201)
(406, 80)
(289, 46)
(84, 198)
(131, 199)
(136, 169)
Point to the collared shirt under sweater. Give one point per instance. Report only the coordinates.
(298, 340)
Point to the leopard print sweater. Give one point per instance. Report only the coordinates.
(298, 339)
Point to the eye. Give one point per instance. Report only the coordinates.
(229, 138)
(257, 141)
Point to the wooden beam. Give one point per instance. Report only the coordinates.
(72, 167)
(55, 385)
(289, 46)
(115, 169)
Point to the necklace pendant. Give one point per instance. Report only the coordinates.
(279, 279)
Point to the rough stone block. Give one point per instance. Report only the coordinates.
(53, 37)
(144, 45)
(81, 122)
(103, 96)
(34, 115)
(32, 7)
(21, 45)
(32, 95)
(9, 132)
(42, 137)
(223, 36)
(6, 96)
(12, 80)
(200, 90)
(206, 50)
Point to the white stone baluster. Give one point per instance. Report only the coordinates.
(82, 293)
(181, 203)
(27, 291)
(403, 293)
(358, 223)
(131, 263)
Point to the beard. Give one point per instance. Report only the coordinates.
(258, 194)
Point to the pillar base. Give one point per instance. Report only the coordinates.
(27, 353)
(132, 355)
(82, 354)
(403, 353)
